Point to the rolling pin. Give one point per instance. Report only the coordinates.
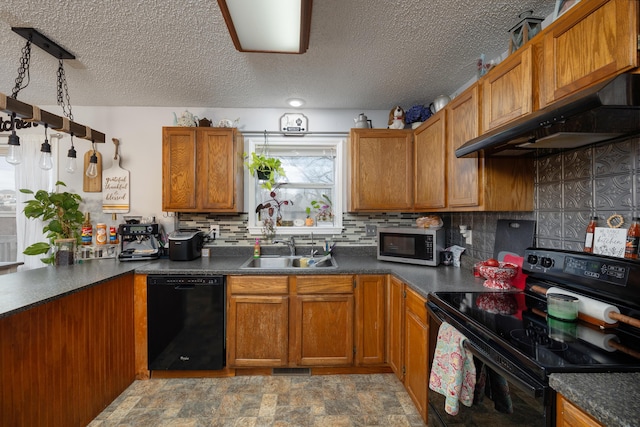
(590, 309)
(608, 342)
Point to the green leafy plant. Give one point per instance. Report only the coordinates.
(266, 167)
(323, 208)
(62, 217)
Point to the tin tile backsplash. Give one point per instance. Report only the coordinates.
(570, 187)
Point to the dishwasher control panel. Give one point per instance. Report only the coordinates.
(185, 280)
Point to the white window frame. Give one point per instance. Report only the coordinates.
(335, 144)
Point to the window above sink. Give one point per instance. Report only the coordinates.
(314, 168)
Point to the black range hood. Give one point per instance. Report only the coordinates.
(605, 112)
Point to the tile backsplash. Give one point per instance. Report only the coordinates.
(570, 187)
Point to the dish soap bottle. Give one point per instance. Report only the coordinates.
(256, 249)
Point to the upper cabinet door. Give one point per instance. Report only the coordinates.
(429, 164)
(178, 169)
(507, 91)
(220, 156)
(463, 174)
(593, 41)
(381, 170)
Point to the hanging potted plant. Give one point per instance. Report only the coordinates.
(63, 220)
(266, 168)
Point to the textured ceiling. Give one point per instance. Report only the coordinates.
(363, 54)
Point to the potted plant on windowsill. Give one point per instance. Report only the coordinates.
(324, 215)
(63, 220)
(270, 208)
(266, 168)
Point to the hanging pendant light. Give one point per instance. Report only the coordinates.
(72, 164)
(92, 170)
(45, 163)
(15, 151)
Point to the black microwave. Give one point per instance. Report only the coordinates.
(420, 246)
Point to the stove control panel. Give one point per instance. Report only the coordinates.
(553, 264)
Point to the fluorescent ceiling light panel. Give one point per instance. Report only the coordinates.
(279, 26)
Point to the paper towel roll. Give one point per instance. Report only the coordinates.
(590, 307)
(596, 338)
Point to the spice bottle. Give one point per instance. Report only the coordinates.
(101, 234)
(256, 249)
(86, 236)
(633, 239)
(113, 230)
(591, 228)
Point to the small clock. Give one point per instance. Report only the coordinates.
(294, 123)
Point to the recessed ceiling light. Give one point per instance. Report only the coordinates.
(295, 102)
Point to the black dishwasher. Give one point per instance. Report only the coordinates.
(186, 322)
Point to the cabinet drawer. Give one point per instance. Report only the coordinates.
(258, 284)
(324, 284)
(416, 304)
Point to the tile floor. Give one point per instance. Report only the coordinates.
(260, 401)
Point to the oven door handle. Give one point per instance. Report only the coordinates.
(528, 387)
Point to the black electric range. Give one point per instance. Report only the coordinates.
(512, 333)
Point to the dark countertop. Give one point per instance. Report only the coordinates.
(611, 398)
(592, 392)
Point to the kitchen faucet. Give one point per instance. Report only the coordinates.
(290, 242)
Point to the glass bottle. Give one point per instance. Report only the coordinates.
(633, 239)
(86, 237)
(591, 228)
(113, 230)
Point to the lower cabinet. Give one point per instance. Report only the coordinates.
(288, 321)
(257, 321)
(569, 415)
(408, 341)
(370, 319)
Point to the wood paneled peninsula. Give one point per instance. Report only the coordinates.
(69, 333)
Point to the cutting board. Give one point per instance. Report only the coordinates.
(92, 185)
(115, 186)
(514, 236)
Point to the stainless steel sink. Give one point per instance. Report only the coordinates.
(266, 262)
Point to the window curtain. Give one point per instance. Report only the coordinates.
(30, 176)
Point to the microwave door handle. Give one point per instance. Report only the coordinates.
(528, 387)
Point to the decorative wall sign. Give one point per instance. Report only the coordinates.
(115, 186)
(609, 241)
(294, 123)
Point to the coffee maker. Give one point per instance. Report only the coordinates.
(139, 242)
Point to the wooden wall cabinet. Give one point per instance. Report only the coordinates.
(381, 170)
(202, 169)
(463, 175)
(507, 91)
(593, 41)
(429, 164)
(478, 183)
(408, 342)
(569, 415)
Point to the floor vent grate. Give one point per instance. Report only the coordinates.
(291, 371)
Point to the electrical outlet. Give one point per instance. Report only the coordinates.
(216, 229)
(371, 230)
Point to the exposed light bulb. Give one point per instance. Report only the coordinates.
(45, 162)
(92, 170)
(15, 152)
(72, 164)
(45, 157)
